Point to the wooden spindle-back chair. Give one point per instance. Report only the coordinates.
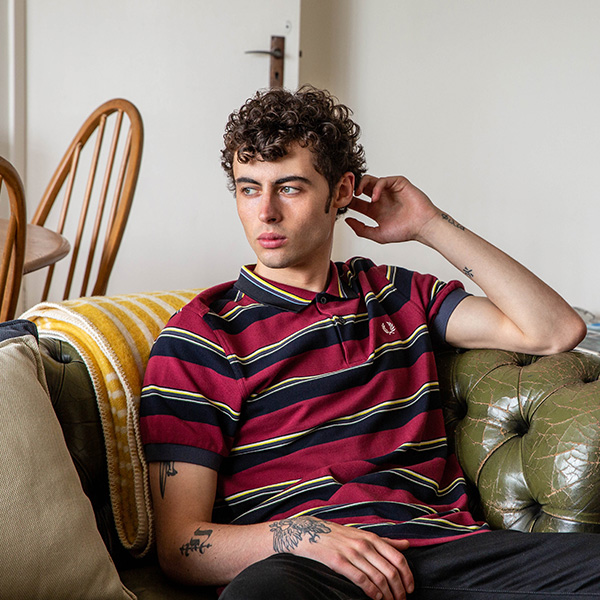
(13, 253)
(116, 158)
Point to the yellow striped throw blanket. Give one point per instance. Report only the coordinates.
(114, 336)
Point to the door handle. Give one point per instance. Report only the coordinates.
(277, 54)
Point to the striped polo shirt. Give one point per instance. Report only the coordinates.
(314, 404)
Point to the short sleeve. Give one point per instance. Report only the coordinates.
(190, 401)
(449, 303)
(437, 298)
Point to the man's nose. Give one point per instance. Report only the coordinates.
(269, 207)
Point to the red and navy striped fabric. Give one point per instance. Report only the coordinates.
(313, 404)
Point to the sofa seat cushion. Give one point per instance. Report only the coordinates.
(49, 544)
(527, 433)
(149, 583)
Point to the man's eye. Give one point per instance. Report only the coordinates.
(288, 189)
(248, 191)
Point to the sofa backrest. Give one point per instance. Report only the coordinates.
(526, 431)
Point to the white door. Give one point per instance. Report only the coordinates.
(183, 63)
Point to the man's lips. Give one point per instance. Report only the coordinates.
(271, 240)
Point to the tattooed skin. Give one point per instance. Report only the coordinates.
(288, 533)
(167, 469)
(452, 221)
(468, 272)
(196, 544)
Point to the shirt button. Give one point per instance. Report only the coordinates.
(323, 300)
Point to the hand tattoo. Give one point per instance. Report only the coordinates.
(166, 469)
(196, 544)
(288, 533)
(452, 221)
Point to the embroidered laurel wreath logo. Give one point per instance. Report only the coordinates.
(388, 327)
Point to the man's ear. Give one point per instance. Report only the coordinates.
(344, 191)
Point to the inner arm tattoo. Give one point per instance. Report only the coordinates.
(166, 469)
(288, 533)
(452, 221)
(468, 272)
(196, 543)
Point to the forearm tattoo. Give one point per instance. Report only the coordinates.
(198, 542)
(468, 272)
(452, 221)
(288, 533)
(166, 469)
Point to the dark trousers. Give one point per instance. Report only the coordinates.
(500, 565)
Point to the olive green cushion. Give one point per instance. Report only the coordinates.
(527, 434)
(49, 544)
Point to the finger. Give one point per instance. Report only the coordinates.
(383, 565)
(382, 184)
(370, 579)
(366, 185)
(387, 575)
(400, 562)
(362, 230)
(361, 206)
(398, 544)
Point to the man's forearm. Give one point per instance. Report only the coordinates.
(520, 312)
(213, 554)
(543, 322)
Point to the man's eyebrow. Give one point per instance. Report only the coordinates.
(246, 180)
(280, 181)
(293, 178)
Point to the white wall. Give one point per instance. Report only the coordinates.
(493, 108)
(12, 82)
(4, 79)
(183, 63)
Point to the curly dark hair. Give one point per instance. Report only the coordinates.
(269, 122)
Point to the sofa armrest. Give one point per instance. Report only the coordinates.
(526, 431)
(74, 402)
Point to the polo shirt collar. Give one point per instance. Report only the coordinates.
(287, 297)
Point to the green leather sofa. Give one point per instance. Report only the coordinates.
(526, 430)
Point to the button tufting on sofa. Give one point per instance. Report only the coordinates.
(530, 438)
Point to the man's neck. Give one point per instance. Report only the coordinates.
(298, 278)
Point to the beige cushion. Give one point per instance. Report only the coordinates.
(49, 544)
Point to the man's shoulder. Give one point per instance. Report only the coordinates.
(385, 281)
(206, 300)
(193, 314)
(359, 268)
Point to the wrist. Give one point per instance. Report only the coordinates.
(429, 232)
(288, 534)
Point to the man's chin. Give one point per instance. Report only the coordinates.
(265, 267)
(273, 259)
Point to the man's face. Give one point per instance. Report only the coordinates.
(282, 206)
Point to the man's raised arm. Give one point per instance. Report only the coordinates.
(520, 312)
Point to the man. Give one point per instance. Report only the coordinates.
(291, 419)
